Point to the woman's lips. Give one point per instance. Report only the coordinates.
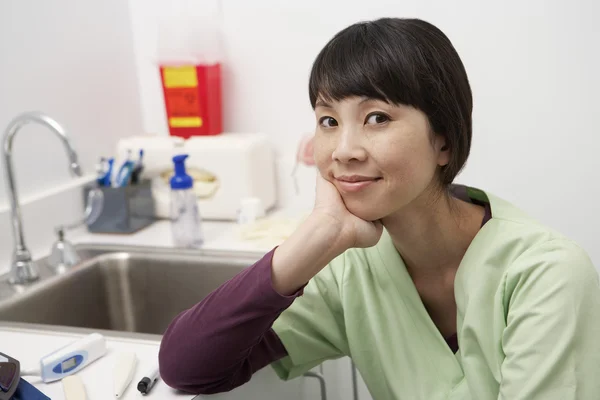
(352, 184)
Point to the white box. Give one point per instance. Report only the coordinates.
(243, 165)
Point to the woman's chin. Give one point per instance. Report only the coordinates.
(366, 212)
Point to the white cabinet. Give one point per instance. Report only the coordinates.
(264, 385)
(338, 382)
(363, 392)
(311, 386)
(338, 375)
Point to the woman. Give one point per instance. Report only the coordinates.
(436, 291)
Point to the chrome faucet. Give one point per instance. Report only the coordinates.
(23, 270)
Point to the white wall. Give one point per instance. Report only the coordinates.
(74, 61)
(533, 68)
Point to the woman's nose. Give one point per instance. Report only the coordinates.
(349, 148)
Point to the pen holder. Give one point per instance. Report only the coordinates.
(125, 209)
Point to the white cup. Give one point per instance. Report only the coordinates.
(251, 209)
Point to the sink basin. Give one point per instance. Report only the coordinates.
(133, 293)
(121, 289)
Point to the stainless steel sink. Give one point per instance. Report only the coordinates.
(120, 290)
(132, 292)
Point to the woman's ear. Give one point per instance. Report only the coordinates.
(443, 150)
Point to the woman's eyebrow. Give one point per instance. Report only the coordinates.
(321, 103)
(370, 100)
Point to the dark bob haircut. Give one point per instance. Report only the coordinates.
(401, 61)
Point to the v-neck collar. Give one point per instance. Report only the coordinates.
(436, 349)
(437, 353)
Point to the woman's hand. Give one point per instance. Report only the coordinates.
(352, 231)
(305, 152)
(328, 231)
(329, 205)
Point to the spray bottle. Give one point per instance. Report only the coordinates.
(186, 224)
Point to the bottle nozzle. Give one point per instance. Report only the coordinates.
(181, 180)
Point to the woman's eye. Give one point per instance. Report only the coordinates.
(377, 118)
(327, 122)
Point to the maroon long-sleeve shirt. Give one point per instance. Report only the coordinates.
(219, 343)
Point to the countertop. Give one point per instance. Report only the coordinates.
(258, 238)
(30, 345)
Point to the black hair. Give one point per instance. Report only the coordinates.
(401, 61)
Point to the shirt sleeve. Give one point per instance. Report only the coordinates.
(219, 343)
(551, 340)
(312, 329)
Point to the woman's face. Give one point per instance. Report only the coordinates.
(379, 156)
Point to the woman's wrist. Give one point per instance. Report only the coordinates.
(316, 242)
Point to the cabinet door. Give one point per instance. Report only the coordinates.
(363, 392)
(314, 385)
(264, 385)
(337, 375)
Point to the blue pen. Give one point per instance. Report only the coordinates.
(101, 170)
(104, 180)
(137, 169)
(124, 173)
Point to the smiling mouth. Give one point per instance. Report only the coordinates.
(356, 178)
(355, 183)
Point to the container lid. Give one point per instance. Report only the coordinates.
(181, 180)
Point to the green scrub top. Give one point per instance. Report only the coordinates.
(528, 319)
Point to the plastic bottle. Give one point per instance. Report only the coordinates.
(186, 224)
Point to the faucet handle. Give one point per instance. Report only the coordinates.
(63, 254)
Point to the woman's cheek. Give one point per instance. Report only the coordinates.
(321, 152)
